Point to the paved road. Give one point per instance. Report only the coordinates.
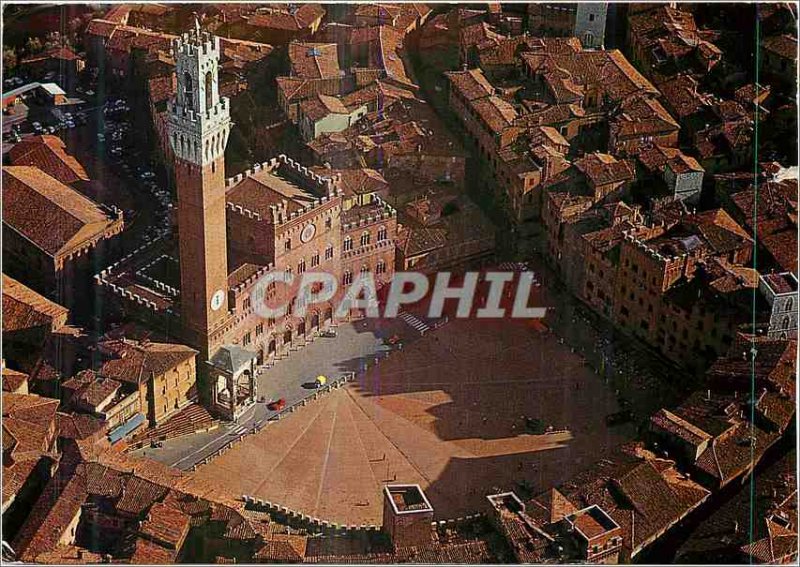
(356, 345)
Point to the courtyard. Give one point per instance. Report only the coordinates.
(451, 411)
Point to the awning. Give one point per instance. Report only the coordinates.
(121, 431)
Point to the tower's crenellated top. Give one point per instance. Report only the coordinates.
(199, 123)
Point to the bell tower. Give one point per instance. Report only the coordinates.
(199, 125)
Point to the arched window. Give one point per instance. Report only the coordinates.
(588, 39)
(789, 304)
(188, 91)
(347, 277)
(347, 245)
(364, 270)
(785, 322)
(381, 267)
(209, 90)
(365, 238)
(382, 234)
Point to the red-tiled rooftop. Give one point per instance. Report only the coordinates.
(23, 308)
(259, 191)
(472, 84)
(53, 216)
(781, 283)
(783, 45)
(320, 106)
(166, 525)
(136, 361)
(314, 60)
(147, 552)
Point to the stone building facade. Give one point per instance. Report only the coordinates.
(277, 219)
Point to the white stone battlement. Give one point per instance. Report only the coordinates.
(189, 44)
(243, 211)
(254, 278)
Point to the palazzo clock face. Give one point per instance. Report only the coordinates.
(308, 233)
(217, 299)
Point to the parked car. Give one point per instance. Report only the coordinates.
(276, 405)
(329, 333)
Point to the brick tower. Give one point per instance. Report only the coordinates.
(199, 125)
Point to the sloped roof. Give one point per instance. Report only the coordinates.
(134, 361)
(51, 215)
(314, 60)
(232, 358)
(23, 308)
(49, 154)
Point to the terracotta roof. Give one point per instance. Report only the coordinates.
(774, 365)
(138, 495)
(782, 45)
(23, 308)
(285, 18)
(89, 390)
(569, 73)
(295, 88)
(782, 246)
(678, 426)
(13, 380)
(62, 52)
(643, 495)
(51, 515)
(79, 426)
(133, 361)
(101, 28)
(729, 456)
(27, 422)
(642, 116)
(470, 84)
(147, 552)
(360, 181)
(320, 106)
(655, 158)
(314, 60)
(720, 230)
(496, 113)
(378, 92)
(602, 169)
(166, 525)
(682, 94)
(259, 192)
(53, 216)
(28, 418)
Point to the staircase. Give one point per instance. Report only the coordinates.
(189, 420)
